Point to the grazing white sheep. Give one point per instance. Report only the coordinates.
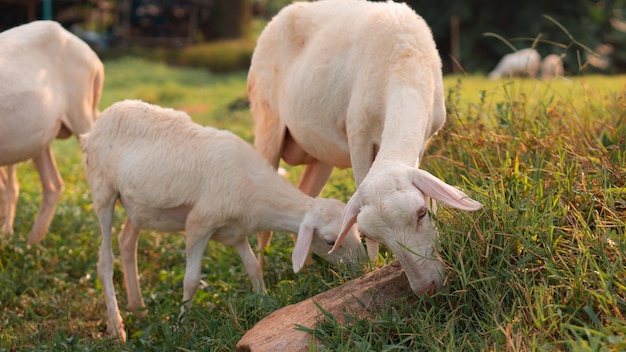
(171, 174)
(358, 84)
(525, 62)
(552, 66)
(51, 82)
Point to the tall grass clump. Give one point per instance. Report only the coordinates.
(542, 266)
(548, 160)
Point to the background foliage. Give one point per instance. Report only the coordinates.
(574, 29)
(522, 22)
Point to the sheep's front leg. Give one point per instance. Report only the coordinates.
(314, 177)
(9, 195)
(251, 264)
(52, 185)
(269, 140)
(128, 252)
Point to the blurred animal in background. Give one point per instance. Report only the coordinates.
(524, 62)
(600, 58)
(552, 66)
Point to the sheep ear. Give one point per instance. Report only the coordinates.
(303, 244)
(349, 218)
(443, 192)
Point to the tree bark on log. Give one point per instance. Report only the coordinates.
(361, 298)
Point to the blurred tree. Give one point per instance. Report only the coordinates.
(226, 19)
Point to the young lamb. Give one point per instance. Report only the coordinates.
(552, 66)
(171, 174)
(358, 84)
(51, 87)
(525, 62)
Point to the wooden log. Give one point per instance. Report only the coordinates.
(360, 298)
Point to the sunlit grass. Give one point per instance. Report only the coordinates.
(540, 267)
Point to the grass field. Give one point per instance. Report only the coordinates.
(540, 267)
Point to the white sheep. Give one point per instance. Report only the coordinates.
(524, 62)
(358, 84)
(171, 174)
(50, 87)
(552, 66)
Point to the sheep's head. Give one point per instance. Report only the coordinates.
(391, 207)
(319, 231)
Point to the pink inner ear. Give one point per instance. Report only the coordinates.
(433, 187)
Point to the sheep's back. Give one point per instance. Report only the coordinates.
(160, 158)
(41, 52)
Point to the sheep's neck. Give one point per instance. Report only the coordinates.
(407, 125)
(403, 144)
(283, 210)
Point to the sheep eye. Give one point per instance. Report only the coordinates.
(329, 242)
(421, 213)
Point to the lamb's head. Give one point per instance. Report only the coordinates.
(319, 231)
(391, 207)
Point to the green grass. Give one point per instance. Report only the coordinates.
(541, 267)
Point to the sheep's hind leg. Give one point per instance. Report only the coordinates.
(104, 207)
(197, 239)
(269, 139)
(128, 252)
(9, 194)
(313, 179)
(252, 266)
(52, 185)
(3, 191)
